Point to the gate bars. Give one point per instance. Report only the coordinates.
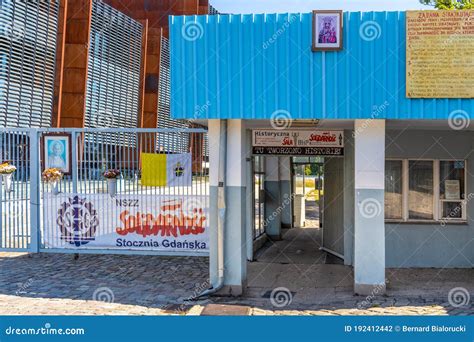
(92, 152)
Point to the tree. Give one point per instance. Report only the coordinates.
(449, 4)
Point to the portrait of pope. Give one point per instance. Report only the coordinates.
(57, 154)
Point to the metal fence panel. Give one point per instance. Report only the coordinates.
(164, 214)
(15, 192)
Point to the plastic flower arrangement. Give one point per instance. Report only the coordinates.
(52, 175)
(112, 173)
(6, 168)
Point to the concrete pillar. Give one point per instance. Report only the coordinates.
(272, 198)
(285, 192)
(348, 197)
(250, 217)
(369, 225)
(235, 245)
(214, 131)
(235, 263)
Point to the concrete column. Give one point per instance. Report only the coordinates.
(250, 217)
(235, 263)
(369, 225)
(214, 131)
(348, 197)
(235, 245)
(272, 198)
(285, 191)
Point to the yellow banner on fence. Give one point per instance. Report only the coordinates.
(153, 169)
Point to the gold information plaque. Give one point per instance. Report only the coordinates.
(440, 54)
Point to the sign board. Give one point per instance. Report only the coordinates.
(126, 222)
(298, 143)
(439, 50)
(452, 189)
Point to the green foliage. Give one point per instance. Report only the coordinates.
(449, 4)
(311, 169)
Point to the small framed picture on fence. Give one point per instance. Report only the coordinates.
(327, 30)
(56, 152)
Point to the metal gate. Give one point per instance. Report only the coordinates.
(70, 216)
(15, 208)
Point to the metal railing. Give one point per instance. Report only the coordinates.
(158, 204)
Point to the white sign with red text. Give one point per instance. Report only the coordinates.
(294, 142)
(126, 222)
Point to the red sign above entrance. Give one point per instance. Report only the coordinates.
(306, 143)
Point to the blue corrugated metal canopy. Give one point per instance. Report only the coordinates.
(250, 66)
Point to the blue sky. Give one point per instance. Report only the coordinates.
(283, 6)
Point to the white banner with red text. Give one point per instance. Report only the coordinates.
(168, 223)
(298, 142)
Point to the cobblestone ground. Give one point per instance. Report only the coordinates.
(57, 284)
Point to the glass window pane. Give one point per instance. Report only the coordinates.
(420, 190)
(393, 189)
(451, 175)
(451, 210)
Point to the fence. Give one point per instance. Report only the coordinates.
(157, 205)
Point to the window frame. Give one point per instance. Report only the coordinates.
(437, 201)
(404, 200)
(463, 201)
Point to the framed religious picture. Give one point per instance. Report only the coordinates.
(327, 30)
(56, 152)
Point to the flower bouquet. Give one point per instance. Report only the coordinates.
(53, 176)
(111, 176)
(6, 170)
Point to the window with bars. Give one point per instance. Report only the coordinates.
(113, 80)
(28, 33)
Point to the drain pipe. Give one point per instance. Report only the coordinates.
(221, 208)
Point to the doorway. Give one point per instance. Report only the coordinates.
(298, 243)
(299, 252)
(307, 174)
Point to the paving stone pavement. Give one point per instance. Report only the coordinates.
(56, 284)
